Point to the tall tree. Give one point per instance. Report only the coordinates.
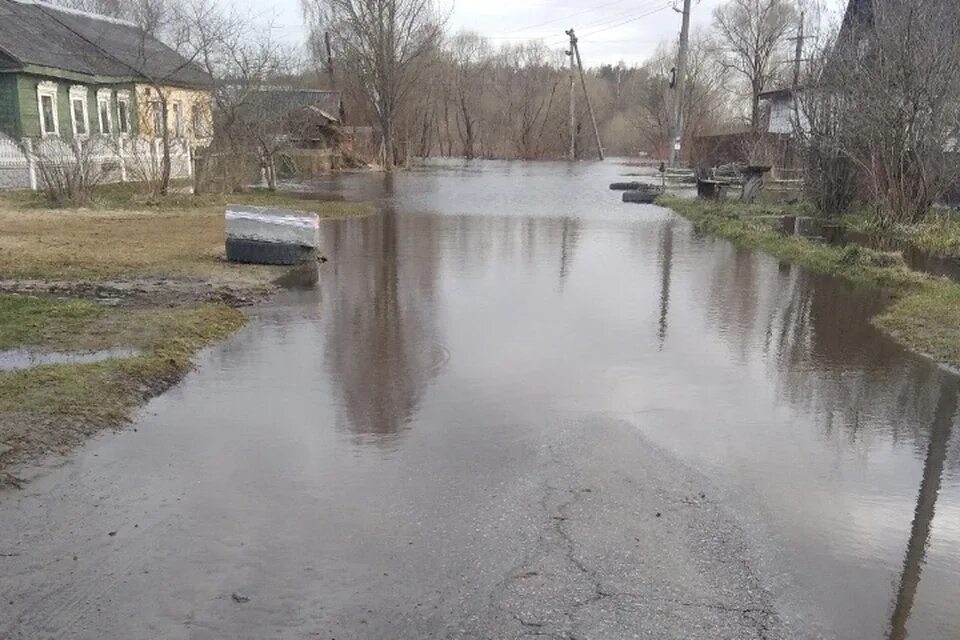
(751, 34)
(380, 43)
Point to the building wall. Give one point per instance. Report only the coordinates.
(191, 101)
(781, 115)
(29, 106)
(20, 108)
(9, 106)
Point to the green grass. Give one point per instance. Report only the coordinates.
(31, 321)
(925, 314)
(54, 406)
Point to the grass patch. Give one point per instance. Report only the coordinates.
(925, 315)
(128, 236)
(54, 406)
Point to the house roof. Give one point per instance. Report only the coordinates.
(35, 34)
(283, 101)
(858, 16)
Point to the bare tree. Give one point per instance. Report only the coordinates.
(751, 33)
(380, 43)
(881, 111)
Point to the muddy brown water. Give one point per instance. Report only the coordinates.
(347, 436)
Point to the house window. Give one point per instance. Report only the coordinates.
(158, 119)
(78, 110)
(103, 111)
(47, 104)
(123, 112)
(177, 120)
(198, 120)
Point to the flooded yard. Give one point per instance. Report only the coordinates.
(499, 382)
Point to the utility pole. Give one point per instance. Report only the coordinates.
(586, 96)
(573, 96)
(681, 83)
(796, 73)
(799, 54)
(329, 60)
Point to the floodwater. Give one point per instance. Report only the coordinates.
(15, 359)
(363, 435)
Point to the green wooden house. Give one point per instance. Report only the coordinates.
(72, 74)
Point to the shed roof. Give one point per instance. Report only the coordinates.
(282, 101)
(41, 35)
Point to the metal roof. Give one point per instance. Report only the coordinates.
(282, 101)
(41, 35)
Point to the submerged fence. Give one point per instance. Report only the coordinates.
(112, 159)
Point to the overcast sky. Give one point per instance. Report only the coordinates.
(609, 30)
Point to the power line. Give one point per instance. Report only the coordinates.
(619, 19)
(572, 15)
(634, 19)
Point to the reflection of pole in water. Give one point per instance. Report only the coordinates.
(568, 239)
(926, 503)
(665, 254)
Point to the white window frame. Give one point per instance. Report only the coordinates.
(176, 109)
(48, 89)
(105, 96)
(156, 117)
(79, 92)
(123, 97)
(199, 121)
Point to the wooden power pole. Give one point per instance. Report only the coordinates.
(586, 96)
(681, 83)
(573, 97)
(796, 72)
(575, 59)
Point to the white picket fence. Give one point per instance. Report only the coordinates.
(114, 159)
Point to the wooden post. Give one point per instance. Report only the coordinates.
(573, 98)
(123, 160)
(31, 163)
(586, 96)
(681, 83)
(796, 72)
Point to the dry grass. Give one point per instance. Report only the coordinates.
(180, 238)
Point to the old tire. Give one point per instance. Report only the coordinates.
(260, 252)
(640, 197)
(624, 186)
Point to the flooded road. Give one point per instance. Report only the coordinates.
(514, 406)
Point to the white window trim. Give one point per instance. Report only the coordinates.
(156, 117)
(47, 88)
(79, 92)
(105, 96)
(176, 114)
(124, 97)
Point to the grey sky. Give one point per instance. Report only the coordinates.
(609, 30)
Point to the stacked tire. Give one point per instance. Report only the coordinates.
(260, 235)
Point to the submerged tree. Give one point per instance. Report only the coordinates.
(380, 44)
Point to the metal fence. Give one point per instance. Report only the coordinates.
(113, 159)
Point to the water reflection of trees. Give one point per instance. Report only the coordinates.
(831, 363)
(382, 341)
(822, 352)
(380, 289)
